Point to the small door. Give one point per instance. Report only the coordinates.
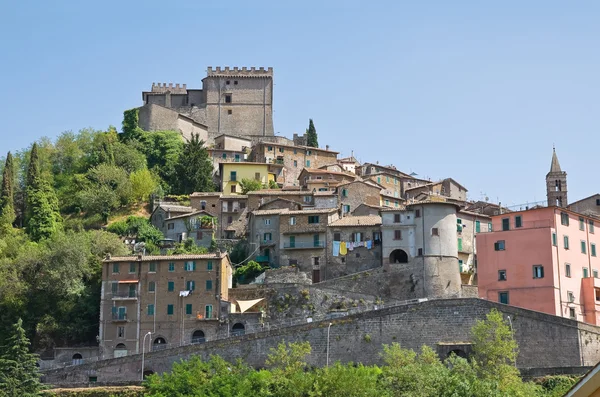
(316, 276)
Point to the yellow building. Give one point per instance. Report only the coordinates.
(231, 174)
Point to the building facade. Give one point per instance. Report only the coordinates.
(543, 259)
(176, 300)
(231, 174)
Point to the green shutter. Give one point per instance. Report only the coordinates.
(208, 285)
(188, 308)
(150, 310)
(194, 265)
(477, 227)
(170, 309)
(460, 244)
(171, 286)
(490, 227)
(209, 265)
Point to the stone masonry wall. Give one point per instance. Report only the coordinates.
(545, 341)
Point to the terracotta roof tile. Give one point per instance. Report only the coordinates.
(147, 258)
(367, 220)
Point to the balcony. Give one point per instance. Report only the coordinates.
(119, 317)
(124, 295)
(304, 245)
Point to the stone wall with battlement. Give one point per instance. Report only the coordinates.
(236, 71)
(546, 342)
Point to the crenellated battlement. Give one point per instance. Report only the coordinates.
(174, 89)
(242, 72)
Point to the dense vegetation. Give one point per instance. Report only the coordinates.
(56, 199)
(491, 372)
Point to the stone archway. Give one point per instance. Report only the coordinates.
(77, 359)
(120, 350)
(398, 256)
(159, 344)
(198, 337)
(238, 329)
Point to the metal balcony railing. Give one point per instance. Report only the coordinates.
(125, 294)
(119, 317)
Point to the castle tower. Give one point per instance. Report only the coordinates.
(556, 184)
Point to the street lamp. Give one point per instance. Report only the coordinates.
(328, 328)
(143, 351)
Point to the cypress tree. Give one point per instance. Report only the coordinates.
(7, 204)
(194, 170)
(311, 135)
(33, 169)
(18, 370)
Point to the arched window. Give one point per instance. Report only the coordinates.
(120, 350)
(159, 344)
(198, 337)
(238, 329)
(77, 359)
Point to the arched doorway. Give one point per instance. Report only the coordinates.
(120, 350)
(198, 337)
(159, 344)
(148, 372)
(77, 359)
(398, 256)
(238, 329)
(458, 352)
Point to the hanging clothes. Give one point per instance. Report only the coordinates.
(336, 248)
(350, 246)
(343, 250)
(369, 244)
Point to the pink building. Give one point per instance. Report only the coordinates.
(542, 259)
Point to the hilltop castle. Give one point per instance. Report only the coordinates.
(232, 101)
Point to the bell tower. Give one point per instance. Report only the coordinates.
(556, 184)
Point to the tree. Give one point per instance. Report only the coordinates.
(110, 188)
(494, 345)
(250, 185)
(7, 204)
(311, 135)
(194, 169)
(18, 371)
(143, 184)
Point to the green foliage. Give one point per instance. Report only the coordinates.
(188, 247)
(557, 385)
(7, 204)
(311, 135)
(139, 227)
(250, 185)
(143, 184)
(273, 185)
(18, 371)
(130, 127)
(194, 169)
(162, 150)
(126, 391)
(248, 271)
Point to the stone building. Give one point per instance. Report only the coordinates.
(191, 225)
(352, 194)
(589, 206)
(317, 180)
(176, 300)
(294, 158)
(556, 184)
(228, 149)
(303, 239)
(159, 118)
(361, 238)
(446, 187)
(164, 211)
(393, 181)
(259, 198)
(229, 210)
(468, 226)
(349, 164)
(423, 238)
(264, 236)
(232, 101)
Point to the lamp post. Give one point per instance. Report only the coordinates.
(328, 328)
(143, 351)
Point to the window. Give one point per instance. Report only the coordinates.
(567, 270)
(396, 218)
(459, 221)
(593, 249)
(313, 219)
(503, 297)
(570, 296)
(459, 228)
(295, 163)
(595, 273)
(417, 213)
(233, 176)
(581, 223)
(308, 152)
(583, 247)
(477, 227)
(344, 193)
(150, 310)
(597, 201)
(499, 245)
(292, 220)
(420, 252)
(505, 224)
(170, 226)
(281, 150)
(316, 261)
(120, 332)
(336, 237)
(267, 221)
(132, 268)
(171, 266)
(267, 236)
(564, 219)
(308, 163)
(538, 271)
(229, 111)
(208, 311)
(227, 98)
(572, 313)
(115, 268)
(190, 285)
(591, 226)
(188, 308)
(307, 199)
(208, 285)
(170, 310)
(554, 242)
(227, 82)
(566, 242)
(585, 272)
(151, 286)
(316, 242)
(230, 219)
(189, 266)
(152, 267)
(435, 231)
(387, 179)
(114, 287)
(257, 176)
(171, 286)
(209, 266)
(387, 202)
(501, 275)
(518, 221)
(233, 188)
(199, 235)
(397, 234)
(490, 227)
(460, 247)
(378, 179)
(345, 208)
(224, 155)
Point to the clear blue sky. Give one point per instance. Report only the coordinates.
(475, 91)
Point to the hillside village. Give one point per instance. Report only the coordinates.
(333, 238)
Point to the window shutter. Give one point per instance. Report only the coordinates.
(194, 265)
(541, 272)
(114, 310)
(496, 247)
